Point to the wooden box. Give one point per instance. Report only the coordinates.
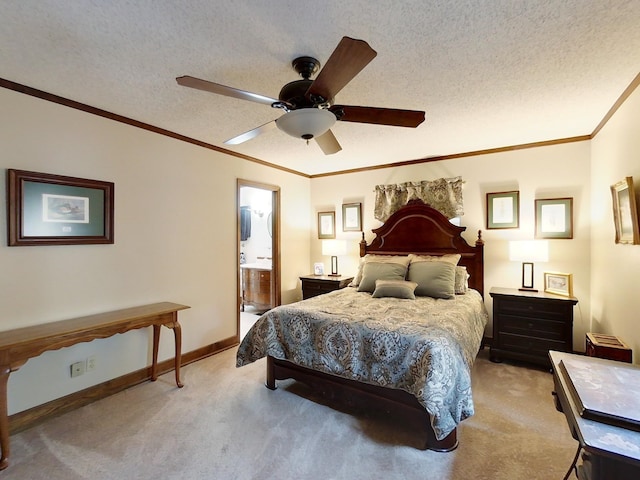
(607, 346)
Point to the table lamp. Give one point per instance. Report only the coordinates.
(334, 248)
(528, 252)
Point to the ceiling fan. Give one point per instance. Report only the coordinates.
(308, 104)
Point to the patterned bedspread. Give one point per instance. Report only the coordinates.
(424, 346)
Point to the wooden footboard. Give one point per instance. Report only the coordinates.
(362, 395)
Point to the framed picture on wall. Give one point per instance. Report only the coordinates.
(503, 210)
(352, 217)
(47, 209)
(326, 224)
(554, 218)
(625, 213)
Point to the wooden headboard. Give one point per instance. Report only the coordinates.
(417, 228)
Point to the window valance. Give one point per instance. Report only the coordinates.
(443, 194)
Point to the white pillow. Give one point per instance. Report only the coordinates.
(461, 281)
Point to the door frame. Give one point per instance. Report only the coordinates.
(276, 291)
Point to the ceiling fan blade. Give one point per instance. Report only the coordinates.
(328, 143)
(380, 116)
(243, 137)
(346, 61)
(192, 82)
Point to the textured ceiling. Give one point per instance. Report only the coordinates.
(489, 74)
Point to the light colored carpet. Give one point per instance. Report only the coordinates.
(224, 424)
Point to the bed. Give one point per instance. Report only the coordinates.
(379, 351)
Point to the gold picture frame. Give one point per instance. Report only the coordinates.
(558, 283)
(625, 213)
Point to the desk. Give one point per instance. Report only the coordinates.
(611, 452)
(19, 345)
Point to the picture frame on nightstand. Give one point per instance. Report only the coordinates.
(558, 283)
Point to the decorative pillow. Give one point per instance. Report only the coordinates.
(373, 271)
(452, 258)
(395, 288)
(434, 279)
(461, 281)
(370, 257)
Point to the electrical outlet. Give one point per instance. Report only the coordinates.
(91, 363)
(77, 369)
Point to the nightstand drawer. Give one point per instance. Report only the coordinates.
(533, 327)
(537, 309)
(530, 345)
(312, 285)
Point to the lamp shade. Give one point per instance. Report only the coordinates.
(306, 123)
(529, 251)
(334, 247)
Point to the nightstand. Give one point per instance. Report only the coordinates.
(526, 325)
(313, 285)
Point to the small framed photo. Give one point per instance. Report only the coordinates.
(318, 268)
(558, 283)
(554, 218)
(503, 210)
(47, 209)
(326, 224)
(625, 213)
(352, 217)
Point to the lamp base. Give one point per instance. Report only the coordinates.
(524, 289)
(334, 266)
(334, 275)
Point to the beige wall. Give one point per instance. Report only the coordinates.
(544, 172)
(175, 232)
(615, 268)
(175, 240)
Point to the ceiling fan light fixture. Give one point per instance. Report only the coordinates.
(306, 123)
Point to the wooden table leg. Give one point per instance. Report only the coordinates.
(177, 332)
(4, 417)
(154, 361)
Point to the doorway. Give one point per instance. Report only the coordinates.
(258, 251)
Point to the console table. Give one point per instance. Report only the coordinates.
(610, 452)
(19, 345)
